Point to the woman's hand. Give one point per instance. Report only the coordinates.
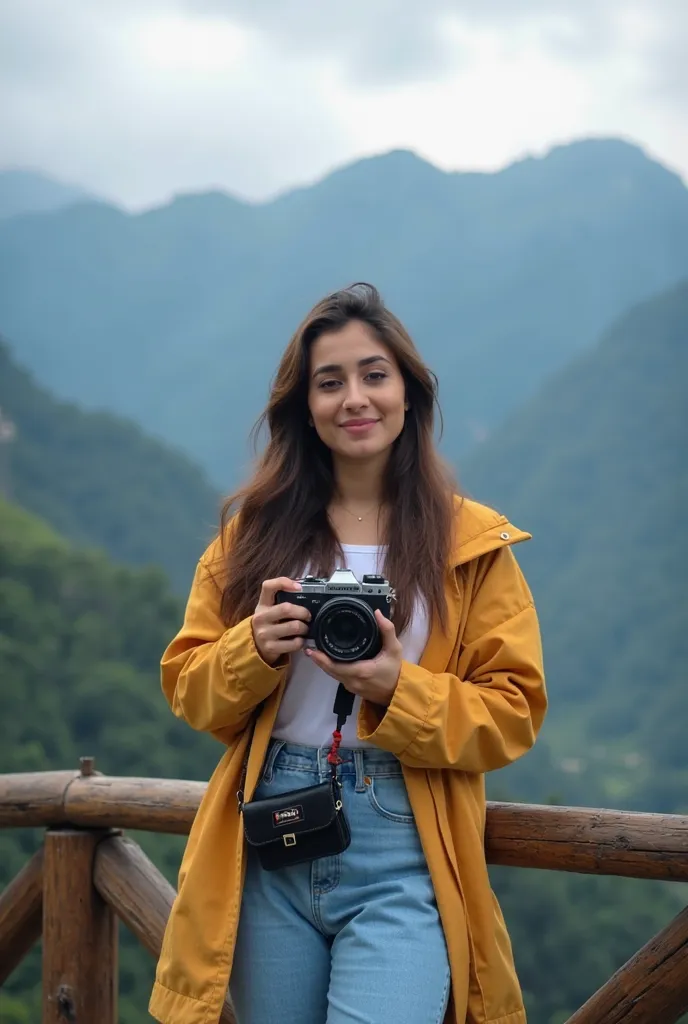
(374, 680)
(278, 629)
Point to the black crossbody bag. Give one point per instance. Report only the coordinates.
(305, 824)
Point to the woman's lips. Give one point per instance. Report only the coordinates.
(356, 427)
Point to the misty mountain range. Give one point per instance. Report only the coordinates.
(176, 317)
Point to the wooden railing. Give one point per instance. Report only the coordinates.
(87, 874)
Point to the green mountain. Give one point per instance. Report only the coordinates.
(175, 317)
(596, 467)
(23, 191)
(100, 481)
(80, 641)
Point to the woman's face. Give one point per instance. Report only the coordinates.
(356, 393)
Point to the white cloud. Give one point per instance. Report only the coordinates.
(141, 99)
(170, 105)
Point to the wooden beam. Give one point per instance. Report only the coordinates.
(29, 799)
(21, 915)
(559, 838)
(79, 934)
(139, 894)
(651, 988)
(132, 885)
(47, 799)
(588, 840)
(580, 839)
(154, 805)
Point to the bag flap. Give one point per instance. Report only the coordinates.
(298, 812)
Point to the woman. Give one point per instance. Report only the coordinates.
(402, 926)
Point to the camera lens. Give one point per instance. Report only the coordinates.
(346, 630)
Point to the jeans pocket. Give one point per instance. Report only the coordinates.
(278, 779)
(388, 796)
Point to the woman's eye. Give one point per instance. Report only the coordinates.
(374, 377)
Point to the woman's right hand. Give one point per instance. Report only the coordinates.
(278, 629)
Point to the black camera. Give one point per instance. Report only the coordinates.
(343, 623)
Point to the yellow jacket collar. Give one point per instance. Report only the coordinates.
(478, 530)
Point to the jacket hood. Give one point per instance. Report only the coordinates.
(479, 530)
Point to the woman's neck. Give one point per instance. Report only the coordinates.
(356, 510)
(359, 485)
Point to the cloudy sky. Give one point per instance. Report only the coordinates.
(139, 99)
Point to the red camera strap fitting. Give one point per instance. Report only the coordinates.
(333, 756)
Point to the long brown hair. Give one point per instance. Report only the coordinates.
(282, 526)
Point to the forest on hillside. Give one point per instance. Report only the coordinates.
(100, 481)
(595, 467)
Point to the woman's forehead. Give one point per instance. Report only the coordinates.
(349, 345)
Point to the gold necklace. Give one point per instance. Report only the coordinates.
(365, 514)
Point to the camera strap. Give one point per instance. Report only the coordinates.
(343, 706)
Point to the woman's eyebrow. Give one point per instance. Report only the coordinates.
(337, 367)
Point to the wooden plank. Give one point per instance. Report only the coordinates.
(21, 915)
(79, 935)
(139, 894)
(651, 988)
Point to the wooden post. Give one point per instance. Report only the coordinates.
(79, 935)
(21, 915)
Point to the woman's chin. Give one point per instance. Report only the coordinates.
(363, 450)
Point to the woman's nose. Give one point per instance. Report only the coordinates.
(355, 397)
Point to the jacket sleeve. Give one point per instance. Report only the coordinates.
(214, 677)
(487, 715)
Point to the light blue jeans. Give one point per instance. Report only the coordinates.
(352, 939)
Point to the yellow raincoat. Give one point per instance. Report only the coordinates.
(474, 703)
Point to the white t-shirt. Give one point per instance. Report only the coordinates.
(305, 714)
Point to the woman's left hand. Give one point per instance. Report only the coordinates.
(374, 680)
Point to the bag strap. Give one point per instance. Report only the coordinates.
(343, 706)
